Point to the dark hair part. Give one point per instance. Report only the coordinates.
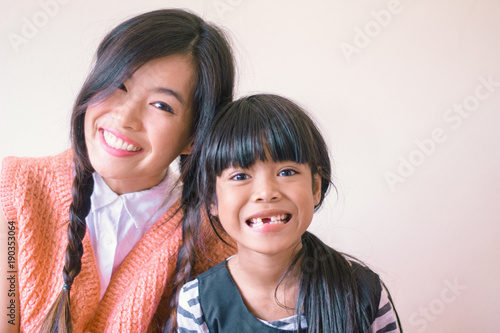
(127, 47)
(262, 127)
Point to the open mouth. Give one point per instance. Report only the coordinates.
(117, 143)
(278, 219)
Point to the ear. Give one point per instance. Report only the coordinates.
(213, 210)
(188, 149)
(316, 189)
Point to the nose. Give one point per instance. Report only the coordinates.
(127, 114)
(266, 190)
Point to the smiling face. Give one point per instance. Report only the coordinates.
(134, 134)
(267, 207)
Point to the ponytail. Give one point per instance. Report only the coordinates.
(58, 318)
(333, 292)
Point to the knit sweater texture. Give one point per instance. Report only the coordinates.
(36, 194)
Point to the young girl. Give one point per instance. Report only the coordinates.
(264, 170)
(157, 81)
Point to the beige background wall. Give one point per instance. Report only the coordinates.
(407, 94)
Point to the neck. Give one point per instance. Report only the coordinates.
(262, 270)
(123, 186)
(258, 279)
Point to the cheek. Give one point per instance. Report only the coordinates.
(224, 206)
(91, 116)
(165, 133)
(91, 135)
(87, 126)
(158, 137)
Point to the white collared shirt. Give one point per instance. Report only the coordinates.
(117, 222)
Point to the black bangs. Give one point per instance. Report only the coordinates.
(258, 128)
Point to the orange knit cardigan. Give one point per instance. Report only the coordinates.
(36, 194)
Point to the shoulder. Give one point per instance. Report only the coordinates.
(189, 293)
(387, 319)
(215, 288)
(368, 281)
(377, 300)
(15, 168)
(63, 158)
(189, 313)
(369, 288)
(23, 177)
(212, 271)
(365, 276)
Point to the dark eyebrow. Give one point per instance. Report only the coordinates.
(169, 92)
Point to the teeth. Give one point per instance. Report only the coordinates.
(279, 219)
(118, 143)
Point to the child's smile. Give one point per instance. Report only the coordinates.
(267, 207)
(255, 222)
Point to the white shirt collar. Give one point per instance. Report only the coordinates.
(141, 206)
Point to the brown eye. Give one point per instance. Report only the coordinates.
(240, 176)
(287, 173)
(163, 106)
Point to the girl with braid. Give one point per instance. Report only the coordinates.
(99, 227)
(263, 170)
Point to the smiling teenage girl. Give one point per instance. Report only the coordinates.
(156, 84)
(264, 170)
(143, 126)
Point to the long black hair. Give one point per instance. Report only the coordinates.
(127, 47)
(261, 127)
